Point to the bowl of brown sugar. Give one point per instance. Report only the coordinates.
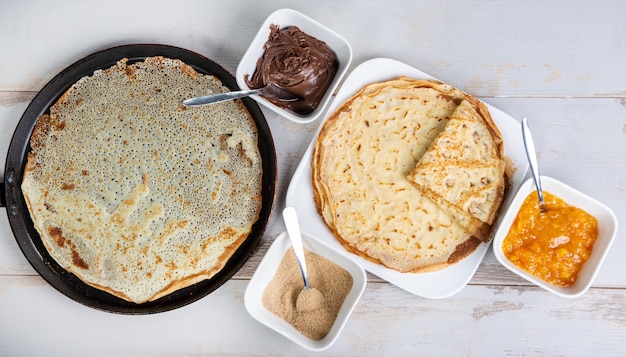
(272, 292)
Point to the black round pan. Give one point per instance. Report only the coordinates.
(27, 237)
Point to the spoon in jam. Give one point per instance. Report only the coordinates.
(309, 298)
(269, 91)
(529, 146)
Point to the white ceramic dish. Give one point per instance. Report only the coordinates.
(265, 272)
(288, 17)
(607, 224)
(439, 284)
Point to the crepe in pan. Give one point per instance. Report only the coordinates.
(134, 193)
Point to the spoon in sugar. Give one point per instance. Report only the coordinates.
(529, 146)
(309, 298)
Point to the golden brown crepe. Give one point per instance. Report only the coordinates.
(360, 163)
(136, 194)
(463, 170)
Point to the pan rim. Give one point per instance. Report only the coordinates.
(20, 221)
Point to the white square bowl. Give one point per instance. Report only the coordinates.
(607, 229)
(284, 18)
(266, 271)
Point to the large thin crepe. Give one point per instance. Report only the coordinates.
(136, 194)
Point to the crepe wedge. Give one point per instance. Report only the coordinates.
(360, 163)
(463, 171)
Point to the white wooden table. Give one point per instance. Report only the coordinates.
(560, 63)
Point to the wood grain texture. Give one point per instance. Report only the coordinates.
(488, 48)
(387, 321)
(559, 63)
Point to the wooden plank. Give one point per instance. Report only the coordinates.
(488, 48)
(387, 321)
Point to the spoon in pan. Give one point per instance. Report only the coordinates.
(269, 91)
(529, 146)
(309, 298)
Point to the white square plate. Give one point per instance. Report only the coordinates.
(439, 284)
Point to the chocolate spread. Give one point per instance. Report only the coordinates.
(298, 63)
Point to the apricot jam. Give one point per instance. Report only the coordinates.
(553, 245)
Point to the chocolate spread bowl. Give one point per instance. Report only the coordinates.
(298, 63)
(294, 75)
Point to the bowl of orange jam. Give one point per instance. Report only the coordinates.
(561, 249)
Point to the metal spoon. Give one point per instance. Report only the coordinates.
(529, 146)
(309, 298)
(269, 91)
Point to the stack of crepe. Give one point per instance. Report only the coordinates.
(409, 174)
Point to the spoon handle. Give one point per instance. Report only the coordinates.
(293, 229)
(220, 97)
(529, 146)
